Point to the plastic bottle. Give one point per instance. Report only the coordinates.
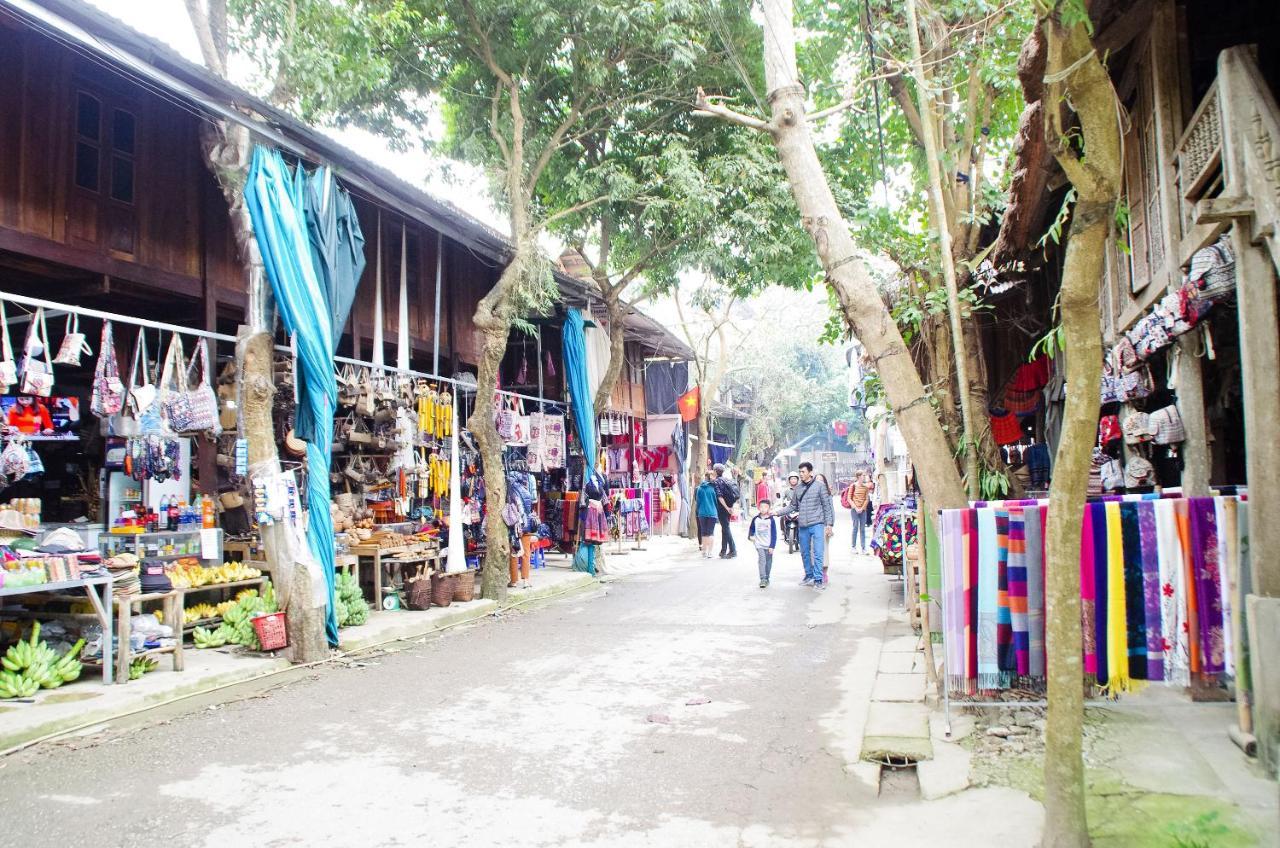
(172, 523)
(206, 512)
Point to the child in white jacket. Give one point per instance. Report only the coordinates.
(764, 533)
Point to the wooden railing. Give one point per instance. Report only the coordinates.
(1198, 160)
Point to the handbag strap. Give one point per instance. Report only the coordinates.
(5, 344)
(139, 350)
(201, 350)
(106, 354)
(172, 369)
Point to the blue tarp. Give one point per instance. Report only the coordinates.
(275, 200)
(575, 377)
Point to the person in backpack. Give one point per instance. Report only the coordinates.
(816, 518)
(857, 499)
(708, 513)
(763, 531)
(727, 495)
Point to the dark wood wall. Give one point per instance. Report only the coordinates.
(157, 226)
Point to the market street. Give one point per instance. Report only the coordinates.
(575, 723)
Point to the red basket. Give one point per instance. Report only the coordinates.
(271, 630)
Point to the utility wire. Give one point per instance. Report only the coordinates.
(875, 88)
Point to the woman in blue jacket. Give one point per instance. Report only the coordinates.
(705, 497)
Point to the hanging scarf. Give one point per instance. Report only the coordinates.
(1118, 679)
(1191, 620)
(1244, 587)
(1102, 590)
(1088, 594)
(1018, 592)
(971, 594)
(1204, 553)
(988, 599)
(1005, 655)
(953, 597)
(1172, 597)
(1151, 589)
(1134, 592)
(1227, 573)
(1034, 532)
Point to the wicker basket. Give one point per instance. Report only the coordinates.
(442, 589)
(417, 592)
(464, 586)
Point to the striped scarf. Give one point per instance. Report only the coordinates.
(1151, 589)
(1034, 531)
(1020, 626)
(988, 601)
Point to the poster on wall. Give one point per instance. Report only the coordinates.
(41, 418)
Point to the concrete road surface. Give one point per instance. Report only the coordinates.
(679, 705)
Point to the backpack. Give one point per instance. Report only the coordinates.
(732, 494)
(846, 497)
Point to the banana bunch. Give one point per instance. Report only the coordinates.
(221, 609)
(195, 612)
(141, 666)
(215, 638)
(195, 576)
(30, 665)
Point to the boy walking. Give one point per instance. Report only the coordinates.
(764, 532)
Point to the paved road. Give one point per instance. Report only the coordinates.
(576, 723)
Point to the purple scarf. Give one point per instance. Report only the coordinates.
(1151, 588)
(1204, 566)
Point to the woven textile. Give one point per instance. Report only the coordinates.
(988, 600)
(1017, 589)
(1151, 588)
(1204, 554)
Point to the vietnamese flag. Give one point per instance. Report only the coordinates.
(689, 403)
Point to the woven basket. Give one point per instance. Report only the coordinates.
(464, 586)
(418, 592)
(442, 589)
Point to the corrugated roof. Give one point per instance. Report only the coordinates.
(155, 65)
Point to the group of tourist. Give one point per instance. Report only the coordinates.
(806, 512)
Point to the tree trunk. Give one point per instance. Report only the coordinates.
(292, 579)
(227, 148)
(1096, 176)
(846, 272)
(941, 221)
(493, 319)
(617, 352)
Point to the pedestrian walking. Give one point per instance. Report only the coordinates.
(762, 490)
(763, 531)
(705, 497)
(857, 498)
(815, 518)
(727, 494)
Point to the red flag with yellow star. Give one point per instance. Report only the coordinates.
(689, 404)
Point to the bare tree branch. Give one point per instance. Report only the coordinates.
(705, 106)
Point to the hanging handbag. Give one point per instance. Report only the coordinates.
(73, 343)
(506, 421)
(142, 398)
(365, 403)
(8, 367)
(108, 391)
(198, 407)
(15, 462)
(37, 369)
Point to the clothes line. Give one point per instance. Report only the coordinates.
(117, 318)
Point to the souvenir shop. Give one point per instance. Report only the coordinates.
(1163, 575)
(640, 465)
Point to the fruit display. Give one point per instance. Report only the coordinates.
(237, 620)
(141, 666)
(189, 573)
(197, 612)
(31, 665)
(351, 607)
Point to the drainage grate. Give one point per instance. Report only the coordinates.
(896, 762)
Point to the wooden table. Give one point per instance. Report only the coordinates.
(99, 591)
(172, 601)
(381, 555)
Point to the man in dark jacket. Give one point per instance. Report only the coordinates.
(726, 497)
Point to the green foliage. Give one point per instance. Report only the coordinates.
(1054, 233)
(993, 484)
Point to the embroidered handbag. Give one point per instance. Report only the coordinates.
(73, 343)
(1213, 269)
(37, 369)
(194, 410)
(15, 462)
(506, 421)
(1166, 426)
(1136, 384)
(8, 367)
(1108, 429)
(108, 391)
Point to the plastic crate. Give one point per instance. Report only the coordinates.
(272, 630)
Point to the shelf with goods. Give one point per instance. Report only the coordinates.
(190, 542)
(189, 625)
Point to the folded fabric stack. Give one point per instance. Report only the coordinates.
(1157, 576)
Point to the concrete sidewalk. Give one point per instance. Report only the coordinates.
(87, 702)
